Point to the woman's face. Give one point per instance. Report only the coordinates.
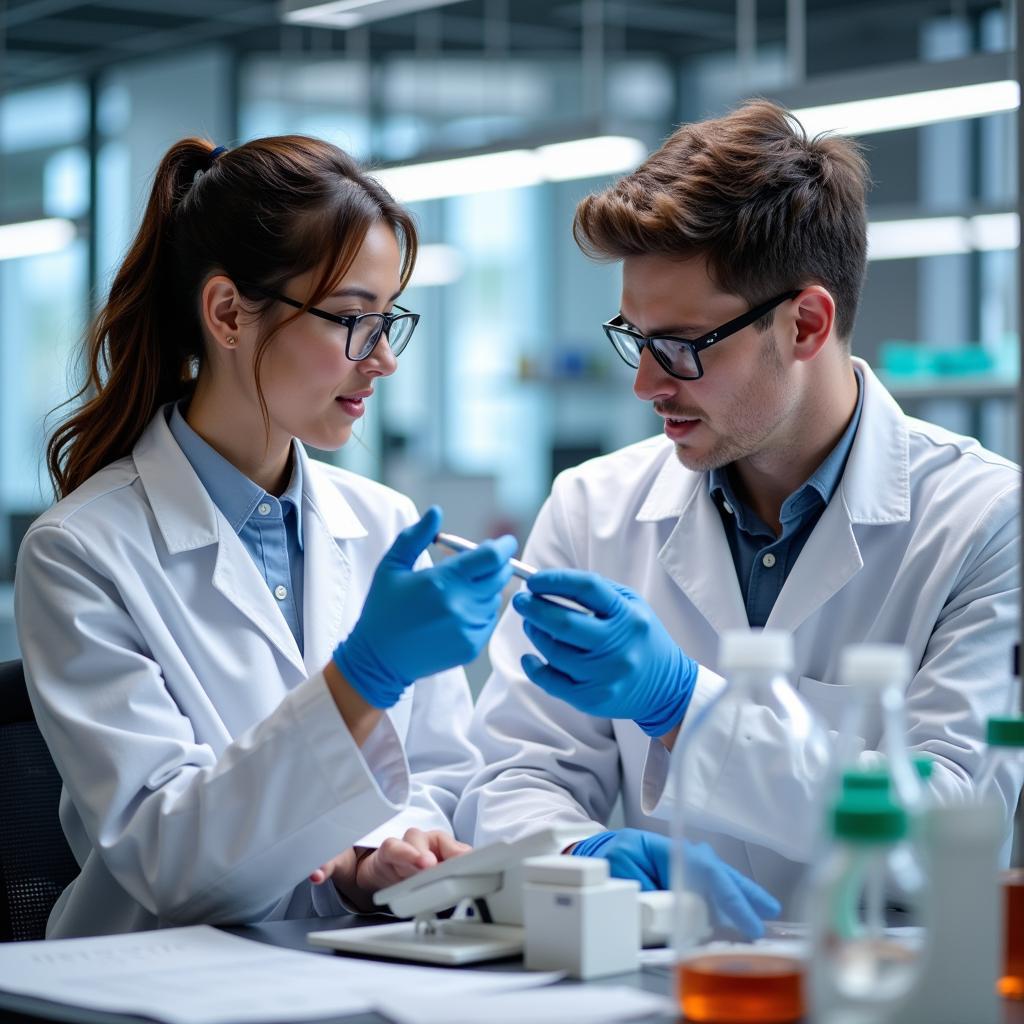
(313, 391)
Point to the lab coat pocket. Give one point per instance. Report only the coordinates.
(829, 700)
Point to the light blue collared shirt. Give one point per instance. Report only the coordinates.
(763, 562)
(270, 528)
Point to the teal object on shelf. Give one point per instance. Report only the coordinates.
(913, 359)
(905, 359)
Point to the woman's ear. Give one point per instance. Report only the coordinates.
(815, 320)
(220, 309)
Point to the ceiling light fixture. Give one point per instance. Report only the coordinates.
(911, 110)
(512, 168)
(942, 236)
(349, 13)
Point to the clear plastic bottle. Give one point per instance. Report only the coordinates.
(878, 675)
(755, 754)
(1005, 736)
(860, 970)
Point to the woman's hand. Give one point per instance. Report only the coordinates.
(359, 872)
(416, 622)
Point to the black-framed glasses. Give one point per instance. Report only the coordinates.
(679, 357)
(364, 329)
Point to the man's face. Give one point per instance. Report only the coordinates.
(741, 404)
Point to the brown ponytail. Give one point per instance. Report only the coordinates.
(266, 212)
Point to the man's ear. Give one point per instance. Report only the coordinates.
(220, 305)
(815, 321)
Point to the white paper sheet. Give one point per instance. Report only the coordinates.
(201, 975)
(594, 1004)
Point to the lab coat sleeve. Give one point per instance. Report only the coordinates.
(961, 682)
(442, 759)
(964, 676)
(191, 836)
(546, 764)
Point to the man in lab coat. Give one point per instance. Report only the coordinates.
(787, 491)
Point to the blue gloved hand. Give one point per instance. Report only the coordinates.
(618, 663)
(415, 623)
(733, 900)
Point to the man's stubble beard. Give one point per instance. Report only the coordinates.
(738, 443)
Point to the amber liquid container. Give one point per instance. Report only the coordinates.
(1011, 984)
(731, 988)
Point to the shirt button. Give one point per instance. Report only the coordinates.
(263, 508)
(280, 592)
(768, 561)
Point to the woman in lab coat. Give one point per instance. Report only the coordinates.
(220, 635)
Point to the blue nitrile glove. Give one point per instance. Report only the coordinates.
(618, 663)
(415, 623)
(733, 899)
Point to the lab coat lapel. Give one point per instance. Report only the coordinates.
(829, 560)
(326, 519)
(874, 492)
(696, 554)
(236, 577)
(189, 520)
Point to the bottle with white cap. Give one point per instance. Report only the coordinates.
(878, 676)
(754, 751)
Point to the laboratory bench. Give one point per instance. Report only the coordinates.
(650, 978)
(292, 935)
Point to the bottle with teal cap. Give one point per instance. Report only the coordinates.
(861, 971)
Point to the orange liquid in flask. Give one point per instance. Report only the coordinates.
(1011, 984)
(738, 988)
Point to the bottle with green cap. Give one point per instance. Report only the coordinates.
(1002, 770)
(860, 970)
(877, 676)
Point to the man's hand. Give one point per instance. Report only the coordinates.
(733, 900)
(359, 872)
(618, 663)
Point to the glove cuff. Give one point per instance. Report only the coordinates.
(673, 710)
(367, 674)
(592, 845)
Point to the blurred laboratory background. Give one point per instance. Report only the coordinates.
(509, 379)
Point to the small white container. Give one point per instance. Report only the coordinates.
(579, 920)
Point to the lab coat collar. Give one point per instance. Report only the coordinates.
(336, 514)
(184, 510)
(188, 520)
(874, 490)
(875, 485)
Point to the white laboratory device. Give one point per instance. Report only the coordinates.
(486, 888)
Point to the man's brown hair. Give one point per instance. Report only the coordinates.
(769, 208)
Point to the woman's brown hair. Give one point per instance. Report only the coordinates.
(769, 208)
(261, 214)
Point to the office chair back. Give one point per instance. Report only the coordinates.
(36, 863)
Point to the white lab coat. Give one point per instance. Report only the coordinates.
(918, 546)
(206, 768)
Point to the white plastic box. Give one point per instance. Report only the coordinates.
(579, 920)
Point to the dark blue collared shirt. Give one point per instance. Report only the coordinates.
(764, 561)
(270, 529)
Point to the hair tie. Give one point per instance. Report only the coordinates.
(214, 153)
